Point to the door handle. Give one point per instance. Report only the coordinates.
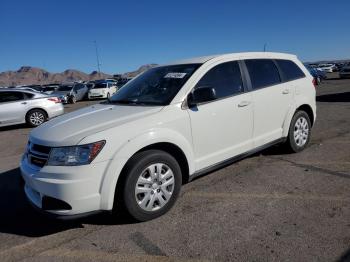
(285, 91)
(24, 103)
(244, 103)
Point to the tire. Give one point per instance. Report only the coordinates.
(299, 132)
(72, 100)
(36, 117)
(143, 197)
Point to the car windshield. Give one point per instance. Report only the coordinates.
(65, 88)
(157, 86)
(100, 85)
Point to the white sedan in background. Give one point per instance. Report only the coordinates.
(328, 68)
(19, 106)
(102, 90)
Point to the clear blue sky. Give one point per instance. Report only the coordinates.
(58, 35)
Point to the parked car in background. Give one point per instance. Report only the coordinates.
(19, 106)
(328, 68)
(345, 72)
(122, 81)
(315, 74)
(27, 88)
(32, 87)
(169, 125)
(322, 74)
(103, 90)
(71, 93)
(49, 89)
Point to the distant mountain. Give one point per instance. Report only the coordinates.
(28, 75)
(139, 71)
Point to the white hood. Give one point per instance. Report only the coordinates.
(69, 129)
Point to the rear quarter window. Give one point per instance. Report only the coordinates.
(290, 71)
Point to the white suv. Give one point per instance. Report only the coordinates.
(165, 127)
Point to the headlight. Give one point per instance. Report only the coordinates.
(74, 155)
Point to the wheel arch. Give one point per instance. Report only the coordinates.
(293, 109)
(36, 108)
(308, 110)
(176, 146)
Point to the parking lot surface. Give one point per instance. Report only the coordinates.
(272, 206)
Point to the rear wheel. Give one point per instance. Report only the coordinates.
(152, 184)
(299, 132)
(36, 117)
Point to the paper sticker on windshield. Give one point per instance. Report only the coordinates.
(175, 75)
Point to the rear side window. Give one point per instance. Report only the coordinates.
(263, 72)
(10, 96)
(290, 70)
(224, 78)
(28, 95)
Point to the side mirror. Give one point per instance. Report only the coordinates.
(201, 95)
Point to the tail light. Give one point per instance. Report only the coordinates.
(54, 99)
(314, 82)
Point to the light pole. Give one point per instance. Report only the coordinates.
(97, 59)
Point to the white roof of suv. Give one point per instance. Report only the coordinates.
(246, 55)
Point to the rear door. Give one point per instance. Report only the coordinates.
(272, 99)
(12, 107)
(222, 128)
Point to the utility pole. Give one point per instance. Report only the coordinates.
(97, 59)
(265, 47)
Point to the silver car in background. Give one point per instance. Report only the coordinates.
(19, 106)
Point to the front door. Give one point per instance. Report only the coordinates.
(222, 128)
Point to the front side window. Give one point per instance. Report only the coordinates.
(79, 86)
(157, 86)
(263, 72)
(225, 78)
(64, 88)
(10, 96)
(290, 70)
(28, 95)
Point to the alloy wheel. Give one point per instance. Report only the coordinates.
(37, 118)
(301, 131)
(154, 187)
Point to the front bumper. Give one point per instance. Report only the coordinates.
(96, 96)
(78, 186)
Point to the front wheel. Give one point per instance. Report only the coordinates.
(299, 132)
(152, 184)
(72, 100)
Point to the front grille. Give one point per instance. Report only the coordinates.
(38, 154)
